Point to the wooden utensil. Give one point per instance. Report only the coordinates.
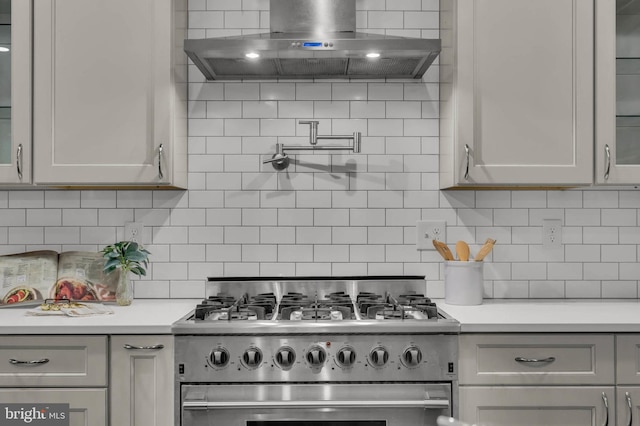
(462, 250)
(485, 249)
(443, 249)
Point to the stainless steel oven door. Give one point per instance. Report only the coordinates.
(370, 404)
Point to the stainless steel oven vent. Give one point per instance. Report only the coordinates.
(312, 39)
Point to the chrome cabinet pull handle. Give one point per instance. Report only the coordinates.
(33, 363)
(547, 360)
(466, 153)
(137, 348)
(160, 157)
(630, 406)
(19, 161)
(607, 167)
(605, 402)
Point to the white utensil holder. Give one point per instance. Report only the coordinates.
(463, 282)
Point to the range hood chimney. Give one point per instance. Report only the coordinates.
(312, 39)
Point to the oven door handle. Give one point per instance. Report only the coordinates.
(210, 405)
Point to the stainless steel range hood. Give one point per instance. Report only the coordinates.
(312, 39)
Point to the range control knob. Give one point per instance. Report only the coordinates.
(346, 357)
(285, 357)
(316, 356)
(252, 358)
(412, 356)
(378, 357)
(219, 357)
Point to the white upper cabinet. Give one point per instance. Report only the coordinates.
(110, 93)
(618, 92)
(516, 80)
(15, 91)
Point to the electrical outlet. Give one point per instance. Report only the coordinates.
(427, 231)
(551, 233)
(133, 231)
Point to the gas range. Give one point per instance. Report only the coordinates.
(300, 345)
(273, 305)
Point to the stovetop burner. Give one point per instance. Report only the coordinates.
(300, 304)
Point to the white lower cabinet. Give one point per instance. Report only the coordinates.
(537, 379)
(142, 380)
(86, 406)
(537, 405)
(57, 370)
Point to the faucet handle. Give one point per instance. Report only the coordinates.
(311, 122)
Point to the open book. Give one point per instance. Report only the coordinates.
(39, 275)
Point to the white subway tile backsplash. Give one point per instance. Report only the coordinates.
(619, 289)
(259, 109)
(101, 235)
(546, 289)
(278, 127)
(28, 235)
(223, 109)
(242, 91)
(277, 91)
(629, 199)
(313, 91)
(35, 217)
(202, 19)
(187, 253)
(223, 253)
(206, 127)
(295, 253)
(60, 235)
(77, 217)
(241, 19)
(583, 289)
(26, 199)
(601, 271)
(629, 235)
(414, 19)
(243, 269)
(259, 253)
(618, 217)
(379, 19)
(511, 289)
(337, 213)
(366, 253)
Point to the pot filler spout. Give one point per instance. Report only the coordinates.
(312, 39)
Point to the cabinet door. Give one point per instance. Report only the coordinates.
(142, 380)
(86, 406)
(104, 92)
(518, 91)
(15, 91)
(537, 406)
(628, 406)
(618, 92)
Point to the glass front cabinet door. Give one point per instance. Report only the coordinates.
(617, 92)
(15, 91)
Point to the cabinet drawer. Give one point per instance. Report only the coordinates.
(628, 359)
(534, 359)
(37, 361)
(86, 406)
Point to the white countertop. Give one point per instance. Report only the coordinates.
(547, 316)
(143, 316)
(155, 316)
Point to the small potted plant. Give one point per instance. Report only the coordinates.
(127, 256)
